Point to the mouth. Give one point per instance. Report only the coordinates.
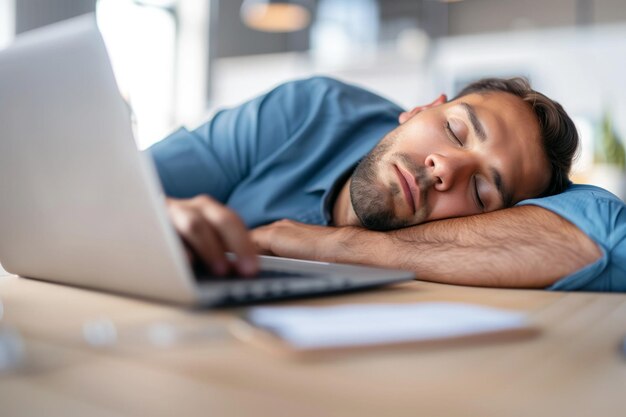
(409, 188)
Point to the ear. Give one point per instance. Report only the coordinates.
(404, 116)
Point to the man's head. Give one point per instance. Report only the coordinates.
(498, 142)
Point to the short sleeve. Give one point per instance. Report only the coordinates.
(214, 158)
(602, 217)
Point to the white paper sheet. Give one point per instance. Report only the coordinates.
(372, 324)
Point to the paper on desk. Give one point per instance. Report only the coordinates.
(374, 324)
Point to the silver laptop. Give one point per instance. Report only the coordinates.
(80, 205)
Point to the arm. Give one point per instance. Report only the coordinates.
(200, 170)
(526, 246)
(218, 156)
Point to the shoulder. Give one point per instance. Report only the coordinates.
(325, 103)
(601, 216)
(322, 91)
(321, 84)
(582, 201)
(586, 191)
(597, 212)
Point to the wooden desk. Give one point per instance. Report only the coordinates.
(572, 369)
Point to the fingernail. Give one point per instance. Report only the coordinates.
(248, 266)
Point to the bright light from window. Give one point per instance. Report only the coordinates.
(7, 22)
(141, 43)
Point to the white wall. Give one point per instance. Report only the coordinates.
(583, 69)
(384, 71)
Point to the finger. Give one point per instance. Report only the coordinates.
(189, 253)
(236, 237)
(210, 248)
(202, 239)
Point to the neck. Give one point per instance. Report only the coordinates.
(343, 213)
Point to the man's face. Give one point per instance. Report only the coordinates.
(479, 153)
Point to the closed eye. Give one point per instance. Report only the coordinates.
(479, 202)
(451, 134)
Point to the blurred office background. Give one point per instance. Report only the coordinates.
(177, 61)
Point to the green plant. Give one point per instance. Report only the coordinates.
(609, 149)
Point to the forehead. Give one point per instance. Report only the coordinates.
(508, 110)
(513, 139)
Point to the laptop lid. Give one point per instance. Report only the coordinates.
(79, 204)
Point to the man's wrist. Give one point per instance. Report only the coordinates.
(352, 244)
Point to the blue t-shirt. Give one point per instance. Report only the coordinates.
(602, 216)
(279, 155)
(286, 153)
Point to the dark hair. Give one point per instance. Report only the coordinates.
(557, 130)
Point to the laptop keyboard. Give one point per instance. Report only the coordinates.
(273, 284)
(263, 274)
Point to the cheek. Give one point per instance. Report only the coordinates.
(449, 204)
(420, 139)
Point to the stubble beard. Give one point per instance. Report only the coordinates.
(372, 202)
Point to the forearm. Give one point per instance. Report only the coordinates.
(519, 247)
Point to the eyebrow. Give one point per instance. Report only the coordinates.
(479, 130)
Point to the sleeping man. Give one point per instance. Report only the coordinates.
(471, 191)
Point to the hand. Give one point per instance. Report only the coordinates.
(291, 239)
(208, 229)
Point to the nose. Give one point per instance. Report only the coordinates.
(449, 169)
